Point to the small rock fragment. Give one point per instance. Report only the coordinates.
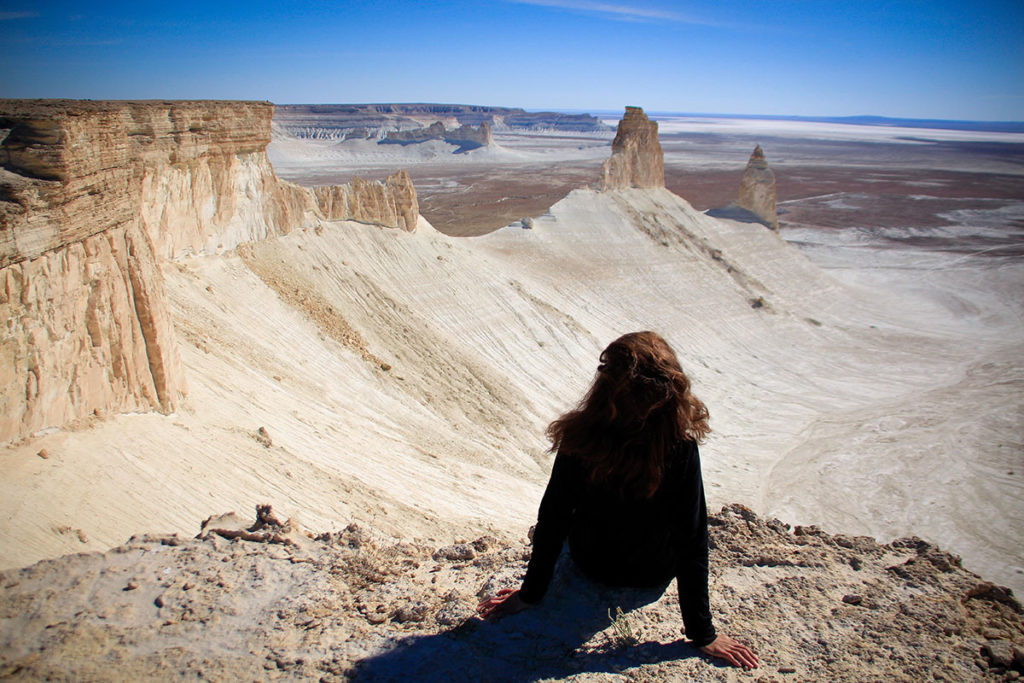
(263, 437)
(853, 599)
(410, 613)
(43, 453)
(999, 653)
(457, 552)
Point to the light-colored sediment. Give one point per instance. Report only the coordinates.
(391, 204)
(449, 437)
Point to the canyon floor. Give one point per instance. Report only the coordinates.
(863, 375)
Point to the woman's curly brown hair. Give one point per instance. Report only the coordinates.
(639, 405)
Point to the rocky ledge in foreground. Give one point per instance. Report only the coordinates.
(266, 601)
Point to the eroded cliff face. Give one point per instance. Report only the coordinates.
(85, 331)
(93, 197)
(757, 189)
(637, 159)
(392, 203)
(74, 169)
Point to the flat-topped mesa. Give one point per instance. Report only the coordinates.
(466, 137)
(637, 159)
(93, 196)
(757, 189)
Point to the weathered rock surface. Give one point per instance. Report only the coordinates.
(757, 189)
(637, 159)
(265, 601)
(391, 203)
(93, 196)
(86, 331)
(74, 169)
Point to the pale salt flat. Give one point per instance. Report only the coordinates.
(670, 125)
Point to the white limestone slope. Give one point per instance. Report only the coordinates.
(486, 340)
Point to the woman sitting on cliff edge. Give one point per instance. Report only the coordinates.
(626, 491)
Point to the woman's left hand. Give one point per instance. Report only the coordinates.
(507, 601)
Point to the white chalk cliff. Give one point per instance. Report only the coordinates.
(93, 197)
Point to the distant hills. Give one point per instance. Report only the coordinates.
(344, 121)
(861, 120)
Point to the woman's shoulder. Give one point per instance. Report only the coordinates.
(684, 449)
(682, 458)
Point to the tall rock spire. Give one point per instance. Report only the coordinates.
(757, 189)
(637, 159)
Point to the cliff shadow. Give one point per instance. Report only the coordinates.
(546, 641)
(734, 212)
(461, 146)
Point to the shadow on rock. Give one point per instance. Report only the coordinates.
(555, 639)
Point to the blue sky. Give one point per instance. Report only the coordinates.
(934, 59)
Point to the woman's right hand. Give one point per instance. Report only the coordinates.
(505, 602)
(732, 651)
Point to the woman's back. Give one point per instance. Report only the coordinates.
(623, 539)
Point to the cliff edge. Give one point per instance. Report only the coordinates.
(93, 197)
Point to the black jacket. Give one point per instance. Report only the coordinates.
(620, 539)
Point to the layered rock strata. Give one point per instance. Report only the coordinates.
(392, 203)
(757, 189)
(637, 159)
(93, 196)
